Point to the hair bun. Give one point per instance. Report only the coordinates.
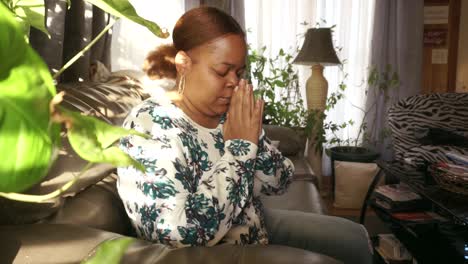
(159, 63)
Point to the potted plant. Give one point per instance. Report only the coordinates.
(276, 81)
(361, 149)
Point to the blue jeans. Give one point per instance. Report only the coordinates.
(336, 237)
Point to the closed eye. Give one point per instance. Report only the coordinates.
(223, 73)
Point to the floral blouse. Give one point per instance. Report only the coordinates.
(198, 190)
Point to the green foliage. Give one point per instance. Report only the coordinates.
(111, 251)
(317, 128)
(277, 84)
(28, 136)
(123, 8)
(31, 12)
(378, 81)
(92, 139)
(29, 117)
(28, 113)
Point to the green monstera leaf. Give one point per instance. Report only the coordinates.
(123, 8)
(92, 139)
(26, 87)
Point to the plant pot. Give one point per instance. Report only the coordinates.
(353, 154)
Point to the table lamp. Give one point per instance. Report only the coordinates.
(317, 51)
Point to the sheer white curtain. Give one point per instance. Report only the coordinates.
(277, 24)
(353, 33)
(132, 42)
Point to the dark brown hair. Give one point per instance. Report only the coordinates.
(159, 63)
(203, 24)
(194, 28)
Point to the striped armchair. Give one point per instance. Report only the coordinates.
(410, 117)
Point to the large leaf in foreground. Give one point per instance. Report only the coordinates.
(26, 88)
(33, 12)
(92, 139)
(123, 8)
(111, 251)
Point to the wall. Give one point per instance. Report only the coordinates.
(462, 64)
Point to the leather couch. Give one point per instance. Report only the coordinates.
(70, 228)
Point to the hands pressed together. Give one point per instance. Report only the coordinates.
(244, 117)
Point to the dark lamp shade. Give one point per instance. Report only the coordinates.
(317, 48)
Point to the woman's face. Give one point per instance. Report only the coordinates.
(216, 69)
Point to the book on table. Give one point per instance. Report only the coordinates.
(419, 217)
(398, 197)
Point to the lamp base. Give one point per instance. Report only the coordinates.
(316, 92)
(316, 89)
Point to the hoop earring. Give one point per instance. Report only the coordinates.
(181, 85)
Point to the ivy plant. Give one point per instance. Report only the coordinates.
(30, 117)
(277, 83)
(28, 135)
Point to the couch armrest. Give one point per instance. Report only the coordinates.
(302, 195)
(303, 170)
(229, 254)
(53, 243)
(99, 206)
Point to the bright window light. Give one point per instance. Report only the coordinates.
(132, 42)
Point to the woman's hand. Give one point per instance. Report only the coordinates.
(244, 118)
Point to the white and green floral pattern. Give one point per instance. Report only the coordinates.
(198, 190)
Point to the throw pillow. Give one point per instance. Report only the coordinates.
(352, 180)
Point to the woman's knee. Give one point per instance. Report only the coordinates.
(334, 236)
